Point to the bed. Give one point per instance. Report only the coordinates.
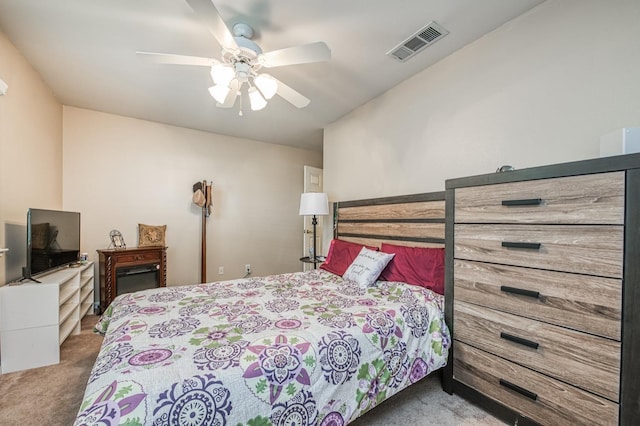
(302, 348)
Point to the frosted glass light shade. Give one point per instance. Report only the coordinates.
(314, 203)
(267, 85)
(219, 92)
(256, 99)
(222, 74)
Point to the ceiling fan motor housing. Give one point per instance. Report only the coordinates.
(241, 29)
(245, 58)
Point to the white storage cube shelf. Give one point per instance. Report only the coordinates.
(36, 318)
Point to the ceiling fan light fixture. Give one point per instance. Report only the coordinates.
(222, 74)
(219, 92)
(267, 85)
(242, 71)
(241, 59)
(256, 99)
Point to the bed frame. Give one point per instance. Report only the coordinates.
(416, 220)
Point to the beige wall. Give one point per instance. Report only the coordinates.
(30, 153)
(121, 171)
(541, 89)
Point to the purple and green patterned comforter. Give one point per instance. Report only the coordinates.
(304, 348)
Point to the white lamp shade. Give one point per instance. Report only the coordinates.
(256, 99)
(314, 203)
(267, 85)
(219, 92)
(222, 74)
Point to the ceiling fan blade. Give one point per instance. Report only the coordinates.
(230, 100)
(291, 96)
(210, 16)
(169, 58)
(303, 54)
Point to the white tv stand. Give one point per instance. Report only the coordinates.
(35, 318)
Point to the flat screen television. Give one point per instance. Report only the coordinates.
(53, 241)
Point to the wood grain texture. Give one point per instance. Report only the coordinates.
(581, 302)
(589, 362)
(600, 193)
(376, 242)
(415, 220)
(588, 199)
(584, 249)
(408, 230)
(557, 403)
(417, 210)
(110, 260)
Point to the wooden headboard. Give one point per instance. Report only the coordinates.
(408, 220)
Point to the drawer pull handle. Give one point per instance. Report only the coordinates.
(530, 246)
(519, 340)
(523, 202)
(521, 391)
(520, 291)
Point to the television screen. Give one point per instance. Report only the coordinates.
(53, 240)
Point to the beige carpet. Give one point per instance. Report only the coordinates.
(52, 395)
(425, 403)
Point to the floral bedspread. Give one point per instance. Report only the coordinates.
(304, 348)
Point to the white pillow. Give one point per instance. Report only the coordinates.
(367, 267)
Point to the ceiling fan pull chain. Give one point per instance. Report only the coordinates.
(240, 113)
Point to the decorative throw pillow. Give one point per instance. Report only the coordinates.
(423, 266)
(151, 236)
(341, 255)
(366, 268)
(40, 236)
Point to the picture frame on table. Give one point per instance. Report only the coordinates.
(117, 241)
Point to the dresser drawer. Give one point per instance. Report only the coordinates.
(139, 257)
(587, 199)
(589, 362)
(549, 401)
(583, 249)
(581, 302)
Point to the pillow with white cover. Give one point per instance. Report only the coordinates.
(366, 268)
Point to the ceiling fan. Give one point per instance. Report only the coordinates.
(241, 62)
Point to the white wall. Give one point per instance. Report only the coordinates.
(30, 154)
(541, 89)
(121, 171)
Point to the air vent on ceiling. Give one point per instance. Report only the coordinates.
(422, 38)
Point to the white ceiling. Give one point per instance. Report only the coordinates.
(85, 52)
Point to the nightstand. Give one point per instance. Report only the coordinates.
(315, 261)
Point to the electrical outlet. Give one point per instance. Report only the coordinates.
(247, 268)
(220, 270)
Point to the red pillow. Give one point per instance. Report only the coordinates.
(341, 255)
(421, 266)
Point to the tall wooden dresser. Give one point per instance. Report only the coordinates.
(543, 292)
